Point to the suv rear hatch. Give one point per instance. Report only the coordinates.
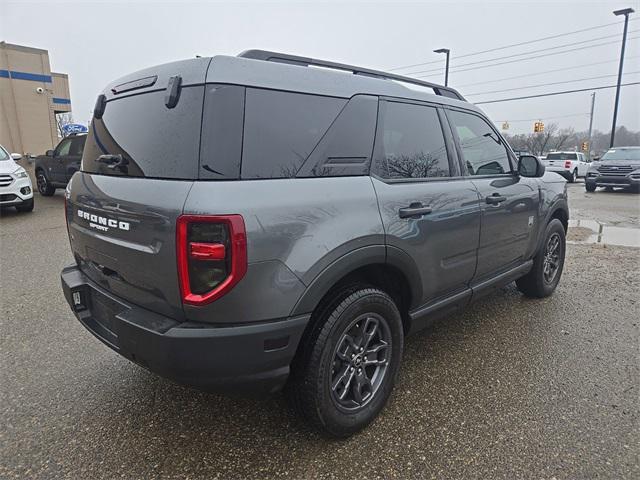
(139, 162)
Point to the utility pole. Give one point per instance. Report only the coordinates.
(626, 12)
(593, 103)
(446, 68)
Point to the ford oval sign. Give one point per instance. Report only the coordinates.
(70, 128)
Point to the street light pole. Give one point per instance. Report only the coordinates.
(593, 103)
(626, 12)
(446, 71)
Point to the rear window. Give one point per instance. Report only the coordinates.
(562, 156)
(281, 129)
(139, 136)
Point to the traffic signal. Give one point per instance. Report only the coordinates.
(538, 127)
(585, 146)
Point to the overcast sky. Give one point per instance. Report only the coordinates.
(96, 42)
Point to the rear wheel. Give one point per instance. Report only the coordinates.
(574, 176)
(44, 187)
(350, 362)
(545, 274)
(26, 206)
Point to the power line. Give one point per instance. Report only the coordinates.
(548, 84)
(528, 42)
(530, 58)
(527, 75)
(543, 117)
(555, 93)
(479, 62)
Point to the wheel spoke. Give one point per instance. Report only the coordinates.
(344, 378)
(369, 330)
(361, 388)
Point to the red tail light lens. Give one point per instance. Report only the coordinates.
(212, 256)
(567, 164)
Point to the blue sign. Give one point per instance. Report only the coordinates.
(70, 128)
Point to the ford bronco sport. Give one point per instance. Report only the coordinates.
(254, 223)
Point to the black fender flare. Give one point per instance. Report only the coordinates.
(351, 261)
(558, 204)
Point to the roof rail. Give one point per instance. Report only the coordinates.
(306, 62)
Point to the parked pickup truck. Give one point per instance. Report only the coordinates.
(570, 165)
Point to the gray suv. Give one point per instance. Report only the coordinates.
(618, 167)
(255, 223)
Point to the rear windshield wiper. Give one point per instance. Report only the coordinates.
(113, 161)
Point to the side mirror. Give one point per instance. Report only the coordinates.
(530, 166)
(49, 153)
(16, 156)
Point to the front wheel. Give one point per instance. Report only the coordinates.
(349, 363)
(44, 187)
(590, 187)
(545, 274)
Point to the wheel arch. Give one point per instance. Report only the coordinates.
(560, 210)
(384, 267)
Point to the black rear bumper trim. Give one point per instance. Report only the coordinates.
(237, 359)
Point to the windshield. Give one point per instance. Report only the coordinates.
(4, 155)
(562, 156)
(621, 154)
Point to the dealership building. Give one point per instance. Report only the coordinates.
(31, 96)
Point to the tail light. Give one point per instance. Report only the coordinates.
(567, 164)
(212, 256)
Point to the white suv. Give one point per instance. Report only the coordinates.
(570, 165)
(15, 185)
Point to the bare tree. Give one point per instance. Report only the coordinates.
(63, 119)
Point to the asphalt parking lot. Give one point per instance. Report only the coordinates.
(512, 388)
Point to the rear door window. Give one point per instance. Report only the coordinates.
(77, 145)
(153, 140)
(281, 129)
(410, 143)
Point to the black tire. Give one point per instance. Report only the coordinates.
(322, 362)
(44, 187)
(26, 206)
(537, 283)
(574, 176)
(590, 187)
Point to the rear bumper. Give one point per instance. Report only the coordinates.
(251, 359)
(613, 181)
(566, 173)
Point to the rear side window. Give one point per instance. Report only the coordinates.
(484, 151)
(562, 156)
(410, 142)
(281, 129)
(151, 139)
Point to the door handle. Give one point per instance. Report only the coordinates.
(414, 210)
(495, 199)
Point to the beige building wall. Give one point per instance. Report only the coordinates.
(30, 95)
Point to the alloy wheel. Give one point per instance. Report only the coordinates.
(42, 183)
(360, 361)
(551, 262)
